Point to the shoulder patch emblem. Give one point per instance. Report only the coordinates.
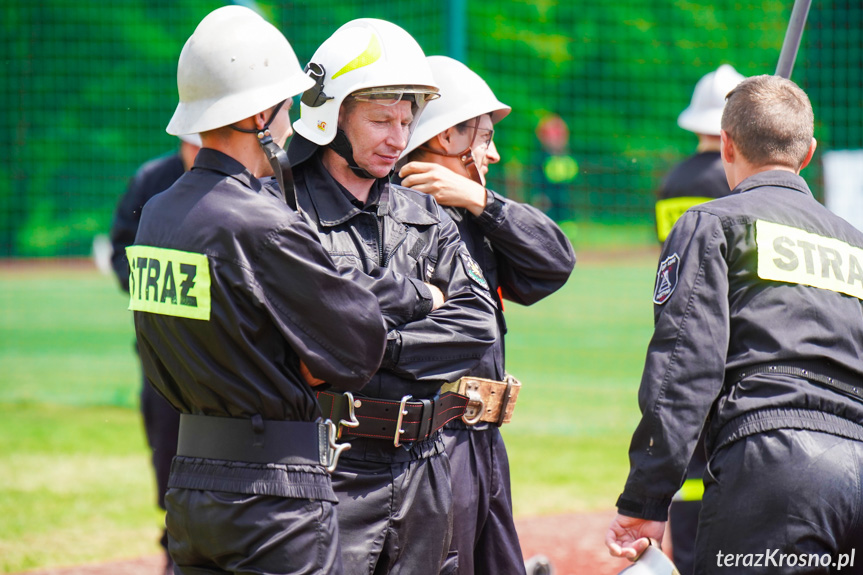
(666, 279)
(473, 270)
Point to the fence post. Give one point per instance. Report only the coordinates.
(456, 29)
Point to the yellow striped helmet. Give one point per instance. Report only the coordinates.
(367, 58)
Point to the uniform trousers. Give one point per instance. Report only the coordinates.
(683, 516)
(779, 494)
(216, 532)
(484, 536)
(395, 507)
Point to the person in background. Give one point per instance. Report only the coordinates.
(699, 178)
(161, 421)
(524, 257)
(558, 168)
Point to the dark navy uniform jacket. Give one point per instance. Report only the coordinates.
(699, 175)
(766, 274)
(153, 177)
(406, 232)
(275, 298)
(697, 179)
(522, 252)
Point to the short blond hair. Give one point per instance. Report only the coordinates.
(770, 120)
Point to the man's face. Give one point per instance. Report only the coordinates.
(280, 127)
(483, 148)
(378, 134)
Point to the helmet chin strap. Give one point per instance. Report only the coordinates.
(466, 158)
(342, 146)
(277, 157)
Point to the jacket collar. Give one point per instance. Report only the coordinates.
(332, 201)
(300, 150)
(216, 161)
(775, 178)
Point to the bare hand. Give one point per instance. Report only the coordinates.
(629, 537)
(437, 296)
(444, 185)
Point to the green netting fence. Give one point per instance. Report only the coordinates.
(88, 87)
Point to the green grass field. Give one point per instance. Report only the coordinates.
(74, 469)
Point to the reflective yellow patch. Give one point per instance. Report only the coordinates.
(691, 490)
(668, 211)
(793, 255)
(369, 55)
(169, 282)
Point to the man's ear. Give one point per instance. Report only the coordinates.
(261, 119)
(445, 140)
(809, 155)
(726, 147)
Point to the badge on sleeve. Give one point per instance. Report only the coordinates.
(666, 279)
(474, 272)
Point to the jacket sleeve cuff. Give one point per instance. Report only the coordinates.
(650, 508)
(493, 215)
(393, 350)
(425, 301)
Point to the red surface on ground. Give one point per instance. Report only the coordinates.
(574, 543)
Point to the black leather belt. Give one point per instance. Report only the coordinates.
(257, 440)
(833, 377)
(398, 421)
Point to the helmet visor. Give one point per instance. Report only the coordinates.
(392, 95)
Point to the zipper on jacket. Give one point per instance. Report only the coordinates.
(382, 209)
(381, 255)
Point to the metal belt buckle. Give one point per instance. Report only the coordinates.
(476, 404)
(352, 420)
(475, 407)
(402, 412)
(335, 449)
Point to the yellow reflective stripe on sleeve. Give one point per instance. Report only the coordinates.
(169, 282)
(669, 210)
(691, 490)
(792, 255)
(369, 55)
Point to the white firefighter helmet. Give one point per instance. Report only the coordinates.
(368, 57)
(234, 65)
(193, 139)
(463, 95)
(704, 114)
(652, 562)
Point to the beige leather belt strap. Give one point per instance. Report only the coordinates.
(491, 401)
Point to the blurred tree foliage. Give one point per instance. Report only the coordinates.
(88, 87)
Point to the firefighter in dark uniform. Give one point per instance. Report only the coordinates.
(698, 179)
(161, 421)
(701, 177)
(393, 485)
(236, 304)
(759, 339)
(524, 256)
